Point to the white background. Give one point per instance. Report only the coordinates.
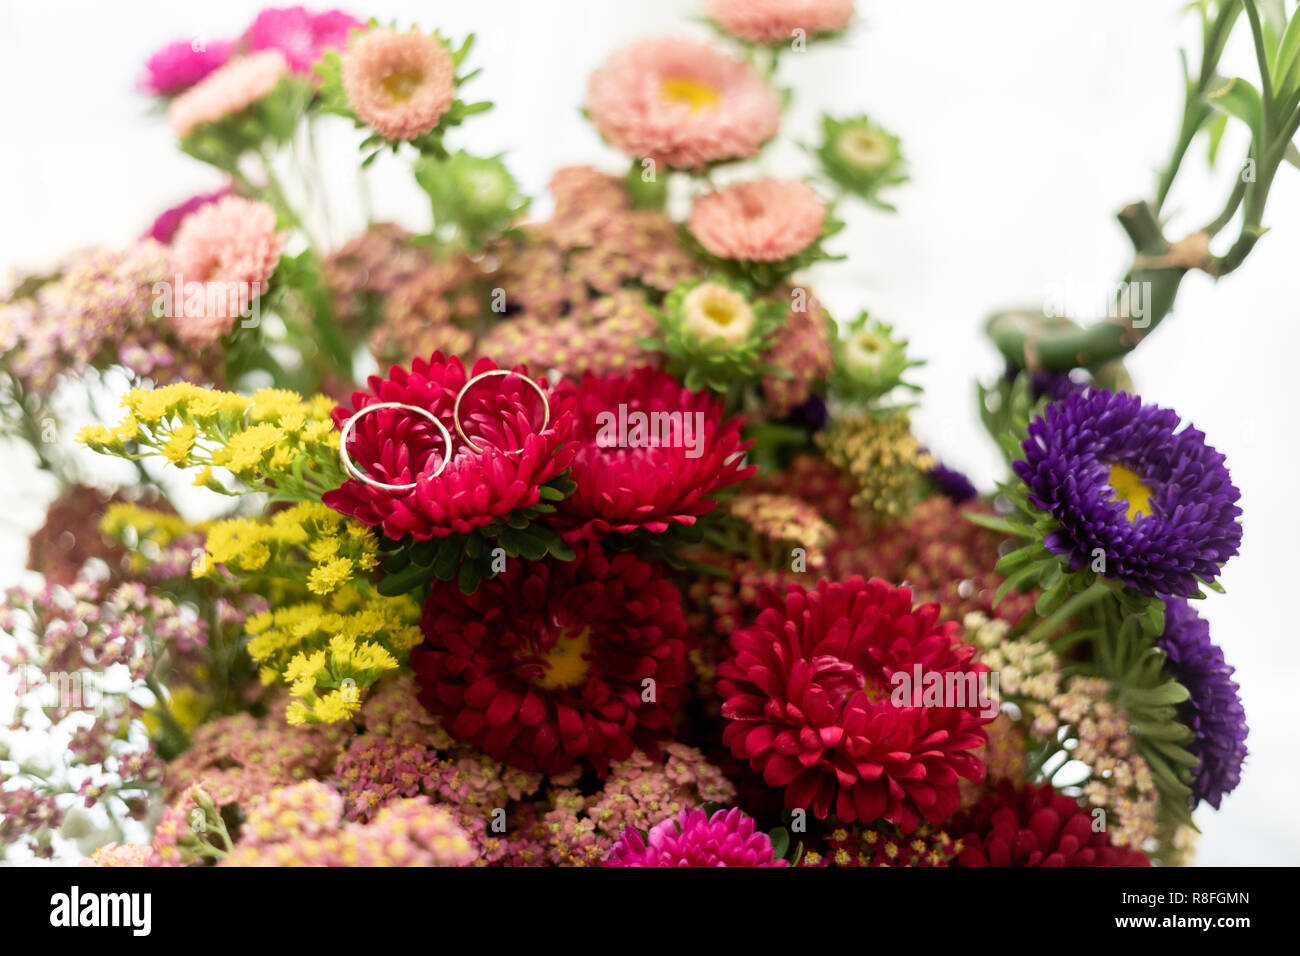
(1027, 125)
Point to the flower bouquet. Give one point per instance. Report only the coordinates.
(592, 538)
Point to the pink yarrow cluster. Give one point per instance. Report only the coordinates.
(681, 103)
(300, 826)
(233, 88)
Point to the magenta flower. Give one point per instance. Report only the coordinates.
(165, 226)
(693, 838)
(178, 66)
(302, 36)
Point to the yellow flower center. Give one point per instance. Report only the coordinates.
(866, 351)
(402, 84)
(693, 94)
(566, 663)
(862, 147)
(1128, 488)
(713, 312)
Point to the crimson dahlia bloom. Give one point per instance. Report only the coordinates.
(554, 662)
(1035, 826)
(693, 838)
(651, 455)
(501, 415)
(809, 695)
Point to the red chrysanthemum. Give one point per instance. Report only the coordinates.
(810, 696)
(554, 662)
(1035, 826)
(502, 415)
(651, 453)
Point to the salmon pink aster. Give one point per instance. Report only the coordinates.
(652, 454)
(503, 416)
(231, 242)
(813, 703)
(775, 21)
(549, 663)
(400, 84)
(681, 103)
(768, 220)
(693, 838)
(233, 88)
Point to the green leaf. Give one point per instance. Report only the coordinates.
(471, 573)
(404, 581)
(1214, 128)
(1238, 98)
(1286, 56)
(780, 842)
(994, 523)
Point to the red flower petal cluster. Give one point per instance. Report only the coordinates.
(810, 696)
(502, 415)
(552, 662)
(1035, 826)
(651, 454)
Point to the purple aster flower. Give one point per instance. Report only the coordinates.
(951, 483)
(1214, 708)
(1122, 481)
(693, 838)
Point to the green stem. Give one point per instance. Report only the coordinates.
(1048, 626)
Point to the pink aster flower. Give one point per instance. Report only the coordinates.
(694, 838)
(775, 21)
(178, 66)
(300, 35)
(232, 242)
(653, 455)
(768, 220)
(399, 83)
(233, 88)
(681, 103)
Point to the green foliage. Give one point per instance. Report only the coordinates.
(473, 198)
(270, 121)
(411, 566)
